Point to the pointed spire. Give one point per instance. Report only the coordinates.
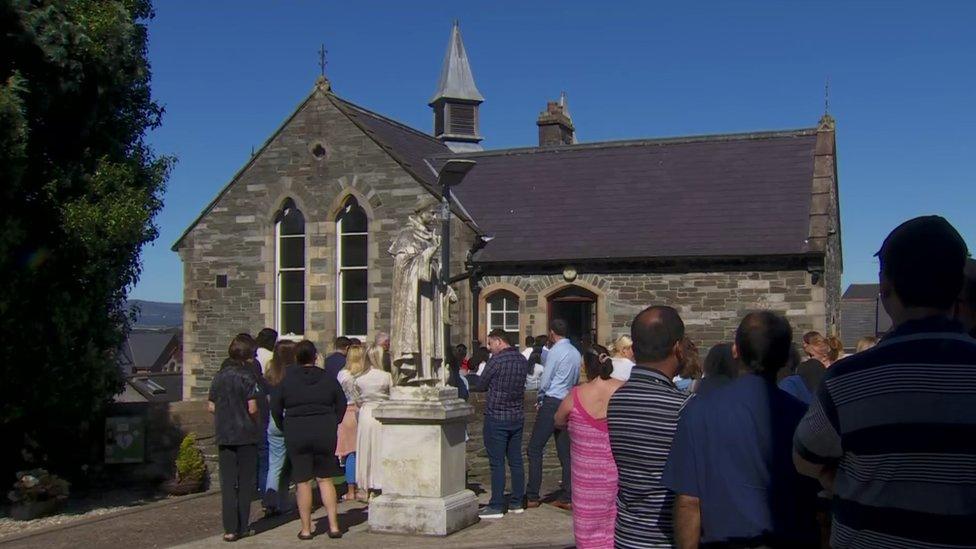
(564, 103)
(456, 80)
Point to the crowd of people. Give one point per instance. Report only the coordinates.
(283, 415)
(761, 444)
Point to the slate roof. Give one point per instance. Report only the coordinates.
(861, 314)
(861, 291)
(146, 350)
(156, 387)
(456, 81)
(711, 196)
(716, 196)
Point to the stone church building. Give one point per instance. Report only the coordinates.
(713, 225)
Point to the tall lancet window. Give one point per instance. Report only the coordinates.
(351, 265)
(290, 270)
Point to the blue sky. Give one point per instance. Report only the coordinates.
(902, 83)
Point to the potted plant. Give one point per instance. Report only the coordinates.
(190, 469)
(37, 493)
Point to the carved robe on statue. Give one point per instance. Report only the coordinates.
(417, 323)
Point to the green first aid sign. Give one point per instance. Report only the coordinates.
(125, 439)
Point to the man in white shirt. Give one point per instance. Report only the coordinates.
(527, 350)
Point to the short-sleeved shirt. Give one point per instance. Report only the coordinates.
(642, 417)
(230, 390)
(899, 423)
(733, 451)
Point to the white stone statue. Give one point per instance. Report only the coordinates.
(418, 318)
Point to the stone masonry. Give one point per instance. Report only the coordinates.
(235, 236)
(711, 303)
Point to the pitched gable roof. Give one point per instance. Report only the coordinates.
(407, 146)
(710, 196)
(707, 196)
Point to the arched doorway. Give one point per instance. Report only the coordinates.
(577, 306)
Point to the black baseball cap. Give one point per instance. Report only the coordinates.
(924, 259)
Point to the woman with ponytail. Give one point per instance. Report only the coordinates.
(584, 413)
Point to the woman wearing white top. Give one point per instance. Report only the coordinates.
(374, 386)
(622, 356)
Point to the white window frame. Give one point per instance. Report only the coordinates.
(279, 270)
(507, 297)
(340, 269)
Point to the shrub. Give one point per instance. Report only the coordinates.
(38, 485)
(189, 461)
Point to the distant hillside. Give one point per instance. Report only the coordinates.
(153, 314)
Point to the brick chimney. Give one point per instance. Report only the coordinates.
(555, 124)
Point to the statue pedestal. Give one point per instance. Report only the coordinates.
(423, 464)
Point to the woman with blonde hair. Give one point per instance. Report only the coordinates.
(349, 427)
(866, 343)
(622, 357)
(373, 384)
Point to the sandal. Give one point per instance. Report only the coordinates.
(231, 538)
(335, 535)
(305, 537)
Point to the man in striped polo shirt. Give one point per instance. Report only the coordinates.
(892, 431)
(642, 417)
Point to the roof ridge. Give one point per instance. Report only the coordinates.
(742, 136)
(251, 160)
(375, 114)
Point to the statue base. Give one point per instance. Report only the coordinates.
(423, 464)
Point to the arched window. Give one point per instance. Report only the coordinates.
(503, 312)
(351, 262)
(290, 269)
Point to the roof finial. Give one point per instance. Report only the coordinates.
(826, 121)
(322, 81)
(827, 95)
(322, 61)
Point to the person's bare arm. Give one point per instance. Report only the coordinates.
(823, 473)
(562, 414)
(211, 407)
(252, 409)
(687, 521)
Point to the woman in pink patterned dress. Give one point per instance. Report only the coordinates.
(584, 411)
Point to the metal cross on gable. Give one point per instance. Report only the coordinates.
(322, 61)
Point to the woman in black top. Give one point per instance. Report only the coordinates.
(233, 401)
(306, 407)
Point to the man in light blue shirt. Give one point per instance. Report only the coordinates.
(561, 372)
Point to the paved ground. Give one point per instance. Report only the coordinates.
(194, 522)
(542, 527)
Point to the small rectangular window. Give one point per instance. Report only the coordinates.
(292, 286)
(354, 285)
(221, 281)
(354, 318)
(353, 250)
(292, 253)
(292, 318)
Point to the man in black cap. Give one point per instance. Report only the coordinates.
(890, 431)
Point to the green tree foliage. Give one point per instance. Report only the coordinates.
(80, 189)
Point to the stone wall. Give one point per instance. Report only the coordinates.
(235, 237)
(711, 303)
(166, 424)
